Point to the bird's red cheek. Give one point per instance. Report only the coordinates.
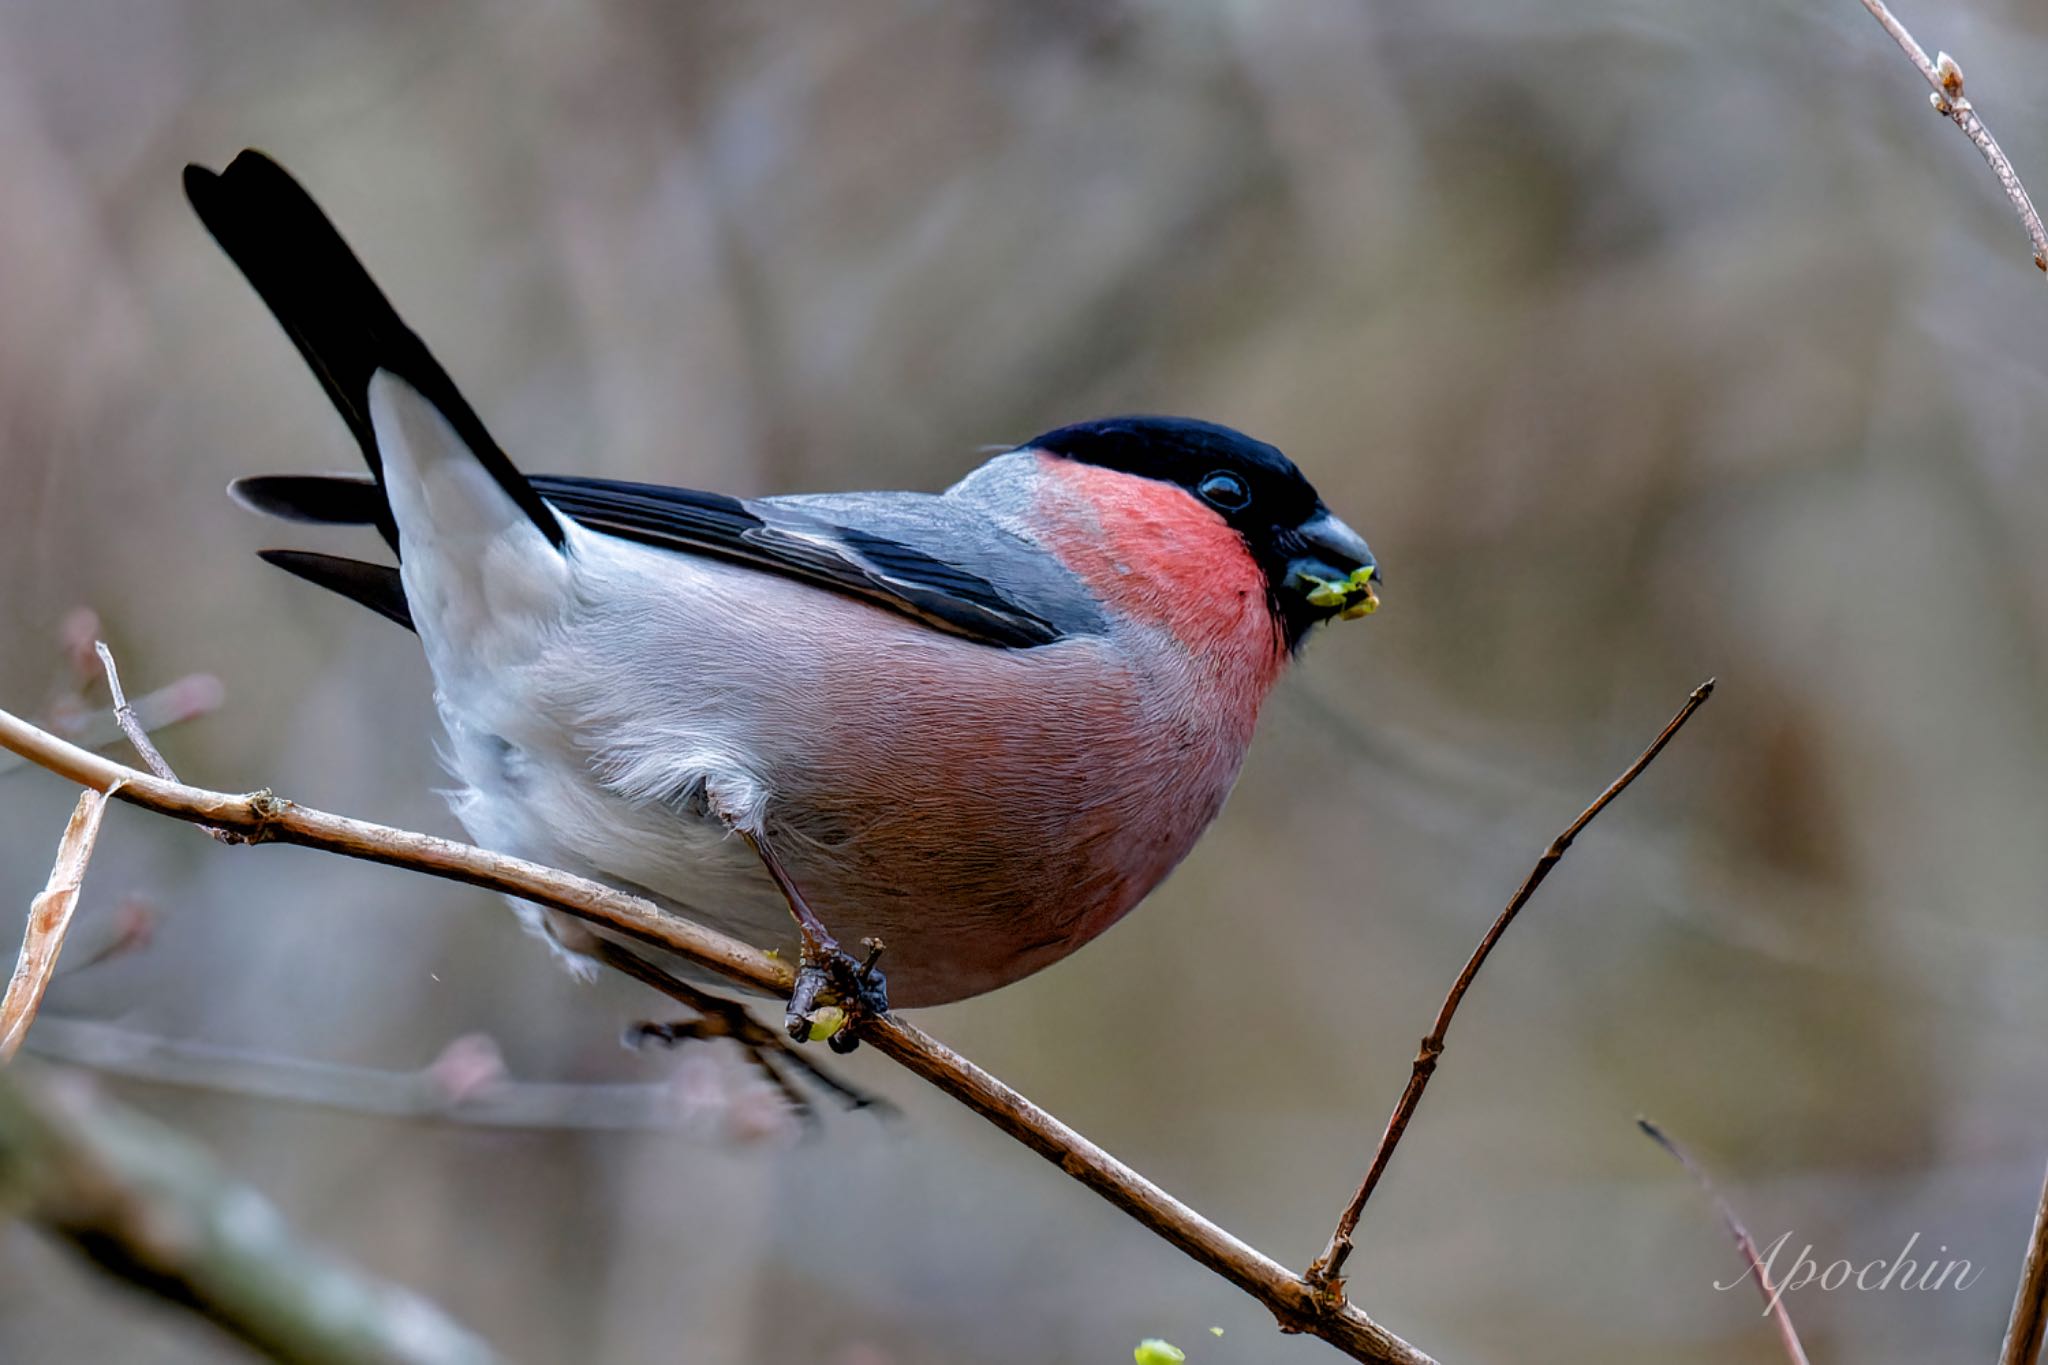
(1156, 554)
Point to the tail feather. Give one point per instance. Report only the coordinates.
(376, 586)
(318, 499)
(337, 317)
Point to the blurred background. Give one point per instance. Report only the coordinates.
(1646, 340)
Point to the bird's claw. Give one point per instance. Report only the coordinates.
(768, 1053)
(832, 979)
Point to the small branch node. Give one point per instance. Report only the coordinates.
(1951, 76)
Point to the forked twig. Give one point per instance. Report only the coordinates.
(49, 920)
(1946, 78)
(1327, 1271)
(2029, 1322)
(1774, 1299)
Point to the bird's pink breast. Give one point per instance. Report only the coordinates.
(987, 811)
(1159, 556)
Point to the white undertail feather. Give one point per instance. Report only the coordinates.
(487, 592)
(480, 577)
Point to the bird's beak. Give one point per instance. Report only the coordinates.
(1334, 572)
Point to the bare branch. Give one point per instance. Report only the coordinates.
(260, 817)
(149, 1207)
(1327, 1271)
(2023, 1334)
(1774, 1300)
(1946, 79)
(49, 920)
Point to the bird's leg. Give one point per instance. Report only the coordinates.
(825, 969)
(718, 1017)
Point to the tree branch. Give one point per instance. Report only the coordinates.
(146, 1205)
(2023, 1334)
(49, 920)
(1326, 1273)
(1948, 99)
(262, 818)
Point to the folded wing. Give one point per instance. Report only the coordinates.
(918, 555)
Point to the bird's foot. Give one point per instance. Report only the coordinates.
(770, 1052)
(835, 994)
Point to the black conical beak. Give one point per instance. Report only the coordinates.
(1335, 572)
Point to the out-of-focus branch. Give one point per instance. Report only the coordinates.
(2029, 1323)
(1946, 78)
(262, 818)
(501, 1102)
(146, 1205)
(49, 920)
(1774, 1298)
(1326, 1273)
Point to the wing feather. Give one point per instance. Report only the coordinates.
(920, 555)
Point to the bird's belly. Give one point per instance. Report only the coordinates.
(961, 909)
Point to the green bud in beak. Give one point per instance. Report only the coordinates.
(1333, 575)
(1350, 598)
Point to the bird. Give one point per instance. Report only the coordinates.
(976, 726)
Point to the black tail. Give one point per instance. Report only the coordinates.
(336, 315)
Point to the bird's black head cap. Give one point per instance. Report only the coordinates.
(1250, 484)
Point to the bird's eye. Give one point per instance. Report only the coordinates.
(1225, 490)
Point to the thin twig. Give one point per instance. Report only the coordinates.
(1774, 1298)
(2023, 1334)
(124, 715)
(1326, 1273)
(49, 920)
(260, 817)
(1946, 79)
(148, 1206)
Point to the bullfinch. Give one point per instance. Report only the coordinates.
(978, 726)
